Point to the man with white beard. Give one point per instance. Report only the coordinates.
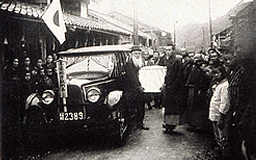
(136, 57)
(133, 90)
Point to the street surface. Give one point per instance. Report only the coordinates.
(185, 143)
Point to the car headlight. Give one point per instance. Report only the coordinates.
(113, 98)
(93, 94)
(48, 97)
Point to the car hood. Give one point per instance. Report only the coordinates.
(81, 78)
(78, 82)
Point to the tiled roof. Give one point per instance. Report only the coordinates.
(81, 22)
(91, 24)
(35, 12)
(22, 8)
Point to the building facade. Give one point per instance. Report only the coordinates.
(24, 33)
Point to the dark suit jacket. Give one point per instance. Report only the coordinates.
(131, 78)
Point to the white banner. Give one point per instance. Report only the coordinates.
(152, 78)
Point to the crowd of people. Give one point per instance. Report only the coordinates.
(214, 86)
(22, 79)
(198, 86)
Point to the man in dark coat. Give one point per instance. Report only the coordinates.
(51, 74)
(197, 84)
(44, 82)
(133, 90)
(242, 93)
(27, 66)
(12, 72)
(174, 87)
(163, 60)
(167, 56)
(12, 105)
(12, 89)
(27, 86)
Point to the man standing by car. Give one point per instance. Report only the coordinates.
(133, 90)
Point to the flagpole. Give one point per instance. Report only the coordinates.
(174, 28)
(203, 41)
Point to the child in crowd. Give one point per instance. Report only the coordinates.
(219, 107)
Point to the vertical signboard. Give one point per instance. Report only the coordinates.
(62, 81)
(62, 78)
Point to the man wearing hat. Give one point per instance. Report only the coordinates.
(136, 57)
(133, 90)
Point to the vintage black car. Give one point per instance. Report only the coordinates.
(89, 94)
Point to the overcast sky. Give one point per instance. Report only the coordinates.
(161, 13)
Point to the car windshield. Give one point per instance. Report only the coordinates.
(92, 63)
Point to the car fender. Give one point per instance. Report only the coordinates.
(33, 100)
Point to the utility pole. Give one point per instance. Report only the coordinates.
(203, 41)
(135, 24)
(174, 37)
(210, 22)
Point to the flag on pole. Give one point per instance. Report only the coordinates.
(53, 18)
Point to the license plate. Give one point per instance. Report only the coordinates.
(71, 116)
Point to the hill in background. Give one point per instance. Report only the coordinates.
(191, 35)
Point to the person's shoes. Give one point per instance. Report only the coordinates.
(148, 106)
(145, 127)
